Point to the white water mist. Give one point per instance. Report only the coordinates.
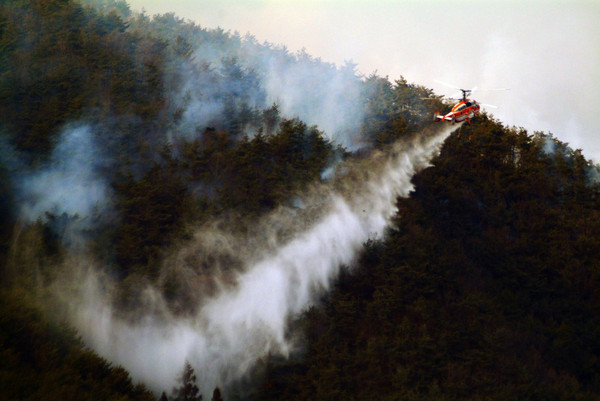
(243, 323)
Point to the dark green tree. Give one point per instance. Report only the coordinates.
(187, 389)
(483, 290)
(217, 395)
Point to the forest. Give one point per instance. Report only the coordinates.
(126, 139)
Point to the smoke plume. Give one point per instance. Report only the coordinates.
(68, 187)
(221, 79)
(247, 318)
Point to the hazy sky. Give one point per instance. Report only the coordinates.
(546, 52)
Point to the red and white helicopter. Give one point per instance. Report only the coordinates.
(464, 110)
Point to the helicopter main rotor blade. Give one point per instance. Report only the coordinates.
(447, 84)
(470, 90)
(455, 87)
(496, 89)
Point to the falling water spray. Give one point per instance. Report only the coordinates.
(246, 321)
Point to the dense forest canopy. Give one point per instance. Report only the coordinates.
(128, 142)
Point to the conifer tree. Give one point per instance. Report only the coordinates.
(188, 389)
(217, 395)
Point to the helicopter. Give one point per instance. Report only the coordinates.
(465, 109)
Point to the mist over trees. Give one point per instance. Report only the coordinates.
(486, 288)
(123, 132)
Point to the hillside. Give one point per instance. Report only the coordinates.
(152, 169)
(486, 289)
(43, 360)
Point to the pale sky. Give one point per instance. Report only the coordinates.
(546, 52)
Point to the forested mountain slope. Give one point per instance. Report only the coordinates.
(123, 133)
(486, 289)
(43, 360)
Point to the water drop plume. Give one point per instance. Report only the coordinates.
(292, 261)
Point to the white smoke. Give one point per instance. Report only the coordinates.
(221, 78)
(245, 322)
(69, 185)
(317, 94)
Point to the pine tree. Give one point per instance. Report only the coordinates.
(217, 395)
(187, 390)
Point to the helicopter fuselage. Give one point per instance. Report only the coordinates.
(462, 111)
